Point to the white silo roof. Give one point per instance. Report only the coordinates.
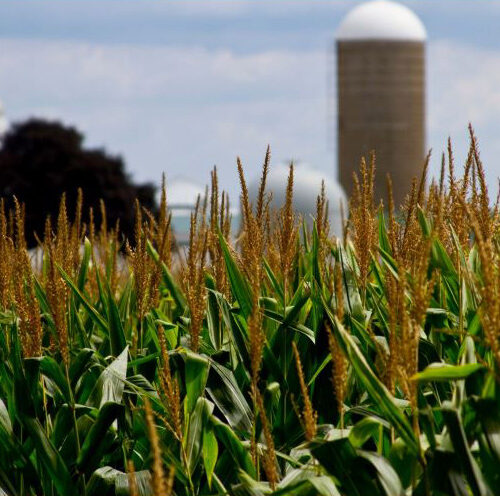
(183, 192)
(381, 20)
(306, 188)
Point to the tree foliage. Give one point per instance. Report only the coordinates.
(40, 160)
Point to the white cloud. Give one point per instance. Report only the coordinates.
(231, 8)
(175, 109)
(61, 70)
(464, 84)
(182, 110)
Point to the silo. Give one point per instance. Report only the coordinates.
(307, 182)
(381, 94)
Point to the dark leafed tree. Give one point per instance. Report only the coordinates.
(41, 160)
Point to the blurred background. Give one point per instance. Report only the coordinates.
(178, 87)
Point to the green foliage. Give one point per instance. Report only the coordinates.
(72, 428)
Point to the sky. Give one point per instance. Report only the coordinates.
(179, 87)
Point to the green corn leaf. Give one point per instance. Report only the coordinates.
(387, 476)
(194, 440)
(239, 453)
(63, 423)
(196, 367)
(424, 222)
(111, 383)
(337, 458)
(274, 281)
(49, 457)
(446, 372)
(210, 453)
(236, 329)
(116, 331)
(366, 428)
(486, 411)
(213, 315)
(238, 283)
(313, 486)
(464, 456)
(379, 394)
(52, 370)
(226, 394)
(93, 446)
(84, 266)
(441, 259)
(168, 279)
(5, 422)
(382, 233)
(92, 312)
(80, 364)
(107, 481)
(302, 329)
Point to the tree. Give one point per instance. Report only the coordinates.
(40, 160)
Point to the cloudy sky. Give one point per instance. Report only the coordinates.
(181, 86)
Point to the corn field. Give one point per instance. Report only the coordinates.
(278, 361)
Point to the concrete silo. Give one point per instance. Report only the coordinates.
(307, 183)
(381, 94)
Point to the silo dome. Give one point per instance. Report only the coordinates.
(182, 192)
(381, 20)
(306, 188)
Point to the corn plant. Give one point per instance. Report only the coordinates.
(278, 361)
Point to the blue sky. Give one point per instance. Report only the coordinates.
(181, 86)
